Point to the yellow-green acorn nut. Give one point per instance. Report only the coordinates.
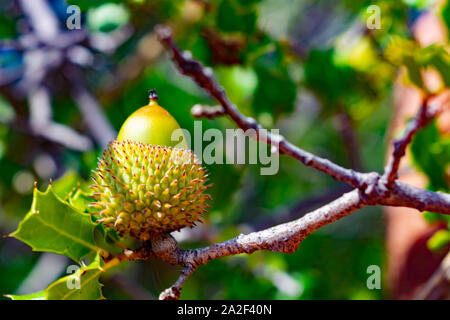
(142, 188)
(151, 124)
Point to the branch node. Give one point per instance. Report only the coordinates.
(164, 33)
(199, 111)
(165, 247)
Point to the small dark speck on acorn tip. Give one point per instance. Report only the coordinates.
(153, 95)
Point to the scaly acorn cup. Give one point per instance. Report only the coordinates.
(143, 187)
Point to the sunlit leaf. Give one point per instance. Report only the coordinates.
(89, 286)
(437, 57)
(41, 295)
(107, 17)
(80, 200)
(83, 284)
(66, 184)
(54, 226)
(439, 240)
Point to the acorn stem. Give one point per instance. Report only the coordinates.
(153, 96)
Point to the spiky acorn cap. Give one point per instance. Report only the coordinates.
(142, 188)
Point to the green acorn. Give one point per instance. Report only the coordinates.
(142, 188)
(151, 124)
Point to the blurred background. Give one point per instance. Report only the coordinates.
(70, 76)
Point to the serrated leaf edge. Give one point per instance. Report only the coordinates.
(34, 212)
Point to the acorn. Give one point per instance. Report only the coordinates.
(151, 124)
(143, 185)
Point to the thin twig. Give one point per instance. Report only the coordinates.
(41, 123)
(174, 292)
(96, 121)
(38, 11)
(441, 277)
(199, 111)
(347, 131)
(425, 115)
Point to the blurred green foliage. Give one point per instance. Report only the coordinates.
(434, 162)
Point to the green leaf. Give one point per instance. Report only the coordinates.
(420, 4)
(431, 154)
(439, 240)
(89, 285)
(332, 82)
(80, 199)
(55, 226)
(446, 14)
(7, 27)
(105, 238)
(65, 185)
(437, 57)
(33, 296)
(82, 285)
(432, 217)
(276, 91)
(107, 17)
(413, 68)
(406, 52)
(433, 163)
(236, 16)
